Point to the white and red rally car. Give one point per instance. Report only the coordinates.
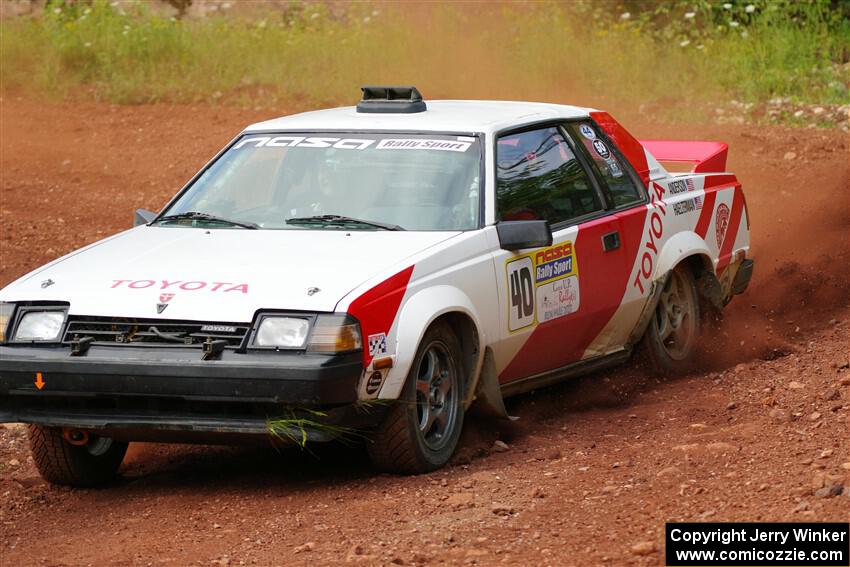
(377, 269)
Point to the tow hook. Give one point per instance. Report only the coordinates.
(75, 436)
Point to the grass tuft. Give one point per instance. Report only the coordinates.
(294, 427)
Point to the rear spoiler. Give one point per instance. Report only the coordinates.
(707, 157)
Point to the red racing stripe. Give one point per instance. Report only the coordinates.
(712, 184)
(706, 213)
(731, 230)
(722, 180)
(628, 144)
(377, 308)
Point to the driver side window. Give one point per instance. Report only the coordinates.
(539, 178)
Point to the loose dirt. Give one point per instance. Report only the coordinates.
(590, 472)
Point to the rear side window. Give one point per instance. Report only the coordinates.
(610, 167)
(539, 178)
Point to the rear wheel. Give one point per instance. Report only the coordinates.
(422, 429)
(671, 338)
(91, 463)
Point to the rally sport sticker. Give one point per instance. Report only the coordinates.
(542, 286)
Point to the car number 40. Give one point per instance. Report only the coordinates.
(521, 293)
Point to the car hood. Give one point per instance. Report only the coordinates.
(218, 274)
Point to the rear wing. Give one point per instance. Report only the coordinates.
(707, 157)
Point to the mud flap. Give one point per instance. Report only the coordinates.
(709, 288)
(742, 277)
(487, 400)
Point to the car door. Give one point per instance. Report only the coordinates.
(627, 201)
(554, 300)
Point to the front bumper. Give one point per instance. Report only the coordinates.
(169, 389)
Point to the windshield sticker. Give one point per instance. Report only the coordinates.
(354, 143)
(417, 144)
(614, 168)
(304, 142)
(542, 286)
(193, 285)
(601, 149)
(587, 132)
(284, 141)
(465, 139)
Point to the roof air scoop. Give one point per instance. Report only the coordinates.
(391, 100)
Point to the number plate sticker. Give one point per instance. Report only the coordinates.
(542, 285)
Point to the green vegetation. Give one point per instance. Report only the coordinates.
(632, 51)
(752, 50)
(295, 423)
(294, 427)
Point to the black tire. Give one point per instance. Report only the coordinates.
(411, 439)
(93, 464)
(670, 340)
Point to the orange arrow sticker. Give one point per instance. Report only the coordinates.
(39, 380)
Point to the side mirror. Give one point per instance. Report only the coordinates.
(143, 216)
(516, 235)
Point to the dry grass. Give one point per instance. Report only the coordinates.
(536, 51)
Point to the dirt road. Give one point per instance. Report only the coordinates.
(593, 468)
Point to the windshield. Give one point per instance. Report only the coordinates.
(332, 181)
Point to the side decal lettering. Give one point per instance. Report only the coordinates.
(653, 235)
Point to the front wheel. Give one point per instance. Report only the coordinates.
(88, 464)
(671, 338)
(422, 429)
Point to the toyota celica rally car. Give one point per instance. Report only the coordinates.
(373, 272)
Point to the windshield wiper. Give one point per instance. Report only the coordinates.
(339, 219)
(195, 215)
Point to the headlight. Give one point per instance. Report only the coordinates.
(284, 332)
(6, 310)
(329, 333)
(335, 333)
(40, 326)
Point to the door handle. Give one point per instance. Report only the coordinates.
(610, 241)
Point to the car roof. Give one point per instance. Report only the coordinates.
(461, 116)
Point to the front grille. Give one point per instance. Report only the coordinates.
(150, 332)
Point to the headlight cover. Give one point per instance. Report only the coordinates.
(282, 332)
(40, 325)
(6, 310)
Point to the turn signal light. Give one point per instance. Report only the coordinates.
(335, 333)
(6, 310)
